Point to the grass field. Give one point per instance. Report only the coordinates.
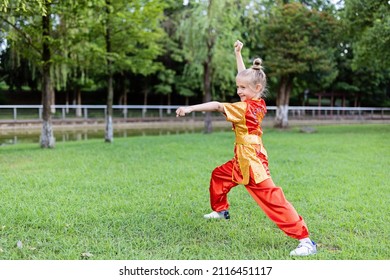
(144, 197)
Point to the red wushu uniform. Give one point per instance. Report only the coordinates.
(249, 167)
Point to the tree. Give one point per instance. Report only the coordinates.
(362, 86)
(369, 27)
(208, 30)
(298, 41)
(126, 39)
(34, 42)
(75, 58)
(167, 80)
(47, 137)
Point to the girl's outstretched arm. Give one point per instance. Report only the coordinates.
(237, 49)
(204, 107)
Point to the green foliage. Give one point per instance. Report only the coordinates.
(135, 35)
(77, 38)
(215, 25)
(24, 6)
(369, 24)
(116, 202)
(363, 84)
(299, 41)
(321, 48)
(167, 79)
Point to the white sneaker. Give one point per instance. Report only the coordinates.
(218, 215)
(305, 249)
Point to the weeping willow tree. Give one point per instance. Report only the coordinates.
(208, 31)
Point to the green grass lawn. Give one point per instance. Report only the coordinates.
(144, 197)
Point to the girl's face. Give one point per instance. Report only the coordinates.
(246, 91)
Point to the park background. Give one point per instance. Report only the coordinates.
(143, 197)
(321, 53)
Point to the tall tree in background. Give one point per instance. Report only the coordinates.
(208, 31)
(369, 25)
(35, 43)
(168, 79)
(109, 136)
(127, 37)
(298, 40)
(75, 60)
(47, 136)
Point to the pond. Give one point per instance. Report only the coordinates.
(11, 137)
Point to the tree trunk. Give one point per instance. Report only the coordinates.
(47, 138)
(67, 92)
(124, 95)
(282, 101)
(169, 111)
(146, 92)
(109, 135)
(208, 126)
(79, 113)
(53, 100)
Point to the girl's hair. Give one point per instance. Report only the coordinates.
(255, 75)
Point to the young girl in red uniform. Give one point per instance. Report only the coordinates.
(249, 167)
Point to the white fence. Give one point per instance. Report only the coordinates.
(21, 113)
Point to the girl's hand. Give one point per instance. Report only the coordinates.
(182, 111)
(238, 46)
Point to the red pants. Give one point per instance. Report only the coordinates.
(268, 196)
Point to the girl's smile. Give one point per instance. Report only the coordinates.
(246, 91)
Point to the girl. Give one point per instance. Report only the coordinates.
(249, 166)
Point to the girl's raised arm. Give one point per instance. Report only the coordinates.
(237, 49)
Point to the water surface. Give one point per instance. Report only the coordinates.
(11, 137)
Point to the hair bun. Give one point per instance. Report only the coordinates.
(257, 64)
